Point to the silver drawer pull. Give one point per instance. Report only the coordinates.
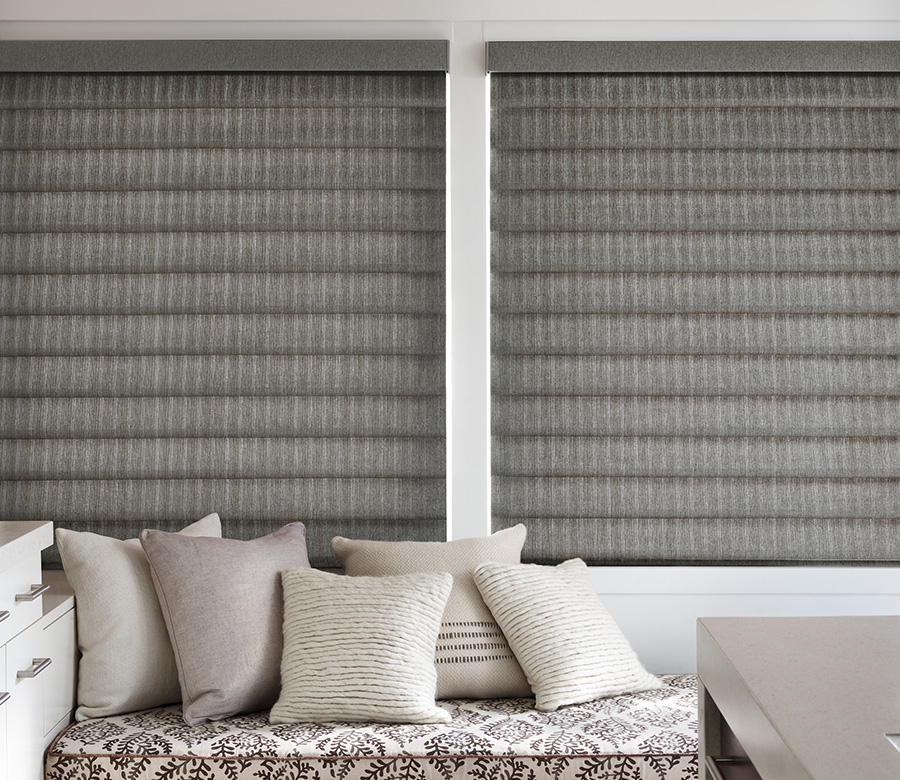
(712, 765)
(4, 697)
(34, 593)
(37, 666)
(712, 769)
(3, 615)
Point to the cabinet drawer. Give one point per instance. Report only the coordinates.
(15, 616)
(58, 643)
(25, 708)
(738, 765)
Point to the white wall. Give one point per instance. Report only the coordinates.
(649, 603)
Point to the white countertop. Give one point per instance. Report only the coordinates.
(20, 538)
(829, 687)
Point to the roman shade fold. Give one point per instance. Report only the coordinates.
(222, 286)
(695, 266)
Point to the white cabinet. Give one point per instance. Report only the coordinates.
(25, 708)
(4, 696)
(18, 581)
(37, 648)
(60, 678)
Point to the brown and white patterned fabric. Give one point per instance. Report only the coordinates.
(639, 736)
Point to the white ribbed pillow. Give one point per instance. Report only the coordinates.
(568, 645)
(360, 648)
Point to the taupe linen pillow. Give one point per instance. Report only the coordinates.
(126, 657)
(472, 657)
(568, 644)
(360, 648)
(222, 603)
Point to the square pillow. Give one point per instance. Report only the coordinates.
(222, 604)
(472, 657)
(126, 662)
(360, 648)
(569, 646)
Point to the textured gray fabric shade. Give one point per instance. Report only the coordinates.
(691, 56)
(695, 337)
(132, 56)
(224, 292)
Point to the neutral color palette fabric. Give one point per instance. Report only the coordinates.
(695, 316)
(472, 656)
(569, 646)
(224, 291)
(643, 736)
(223, 605)
(126, 662)
(360, 649)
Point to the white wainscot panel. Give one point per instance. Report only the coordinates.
(657, 607)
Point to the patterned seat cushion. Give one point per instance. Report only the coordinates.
(640, 736)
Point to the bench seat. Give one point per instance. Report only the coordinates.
(644, 736)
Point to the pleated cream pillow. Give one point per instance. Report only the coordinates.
(360, 649)
(568, 645)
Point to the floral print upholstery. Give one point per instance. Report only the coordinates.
(642, 736)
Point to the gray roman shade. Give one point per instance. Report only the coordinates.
(222, 287)
(695, 301)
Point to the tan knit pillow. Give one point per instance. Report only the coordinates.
(568, 644)
(472, 656)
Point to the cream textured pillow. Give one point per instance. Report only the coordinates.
(568, 644)
(472, 657)
(360, 648)
(126, 657)
(222, 603)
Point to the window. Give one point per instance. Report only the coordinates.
(695, 292)
(223, 286)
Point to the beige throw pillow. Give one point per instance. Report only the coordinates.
(568, 644)
(472, 656)
(222, 603)
(126, 662)
(360, 648)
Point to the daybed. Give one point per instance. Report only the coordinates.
(642, 736)
(415, 664)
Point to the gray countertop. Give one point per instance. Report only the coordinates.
(818, 694)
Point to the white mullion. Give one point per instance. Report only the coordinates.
(468, 472)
